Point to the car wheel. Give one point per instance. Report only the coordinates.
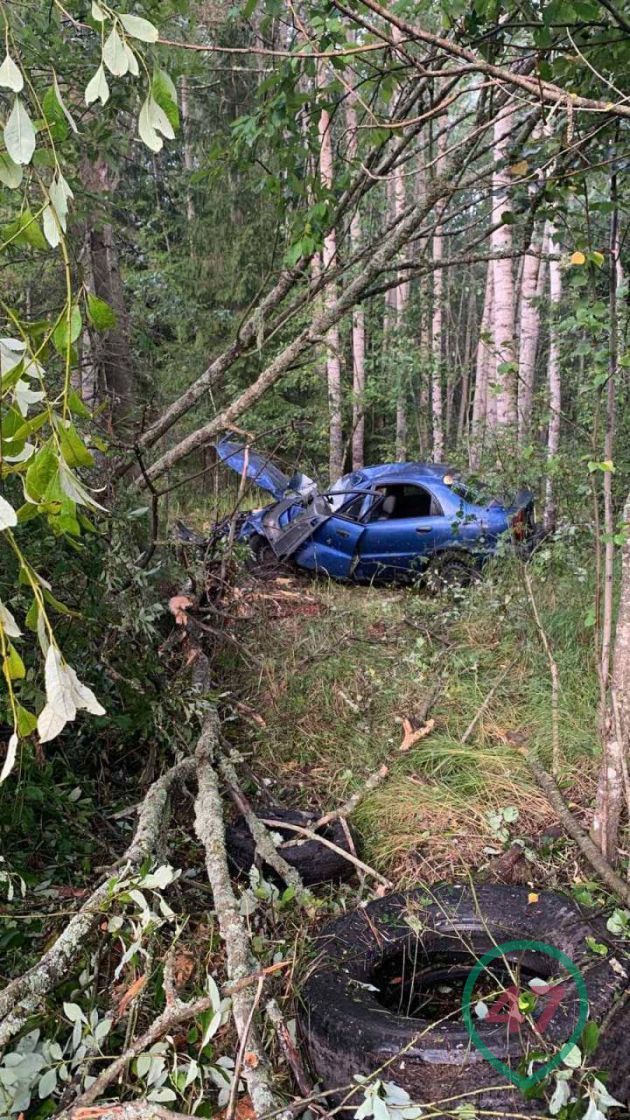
(261, 559)
(386, 988)
(449, 572)
(315, 862)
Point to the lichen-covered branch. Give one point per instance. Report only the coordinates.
(260, 833)
(209, 827)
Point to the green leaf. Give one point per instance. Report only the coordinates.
(165, 94)
(41, 471)
(596, 947)
(19, 134)
(73, 448)
(10, 172)
(139, 28)
(31, 230)
(12, 665)
(76, 405)
(26, 721)
(60, 334)
(54, 115)
(590, 1038)
(100, 314)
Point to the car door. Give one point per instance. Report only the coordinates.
(333, 548)
(399, 545)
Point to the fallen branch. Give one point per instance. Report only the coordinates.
(131, 1110)
(175, 1013)
(24, 996)
(310, 835)
(262, 839)
(350, 805)
(209, 827)
(590, 850)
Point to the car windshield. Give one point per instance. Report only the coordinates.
(338, 493)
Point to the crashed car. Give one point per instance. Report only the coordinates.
(391, 522)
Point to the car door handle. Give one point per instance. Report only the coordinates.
(343, 533)
(423, 529)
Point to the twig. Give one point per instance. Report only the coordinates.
(555, 679)
(210, 829)
(576, 832)
(350, 805)
(485, 704)
(310, 835)
(289, 1049)
(24, 995)
(240, 1056)
(260, 835)
(174, 1014)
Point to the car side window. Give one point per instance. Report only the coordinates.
(401, 500)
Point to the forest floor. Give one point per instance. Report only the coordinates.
(329, 673)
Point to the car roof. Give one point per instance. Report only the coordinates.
(407, 472)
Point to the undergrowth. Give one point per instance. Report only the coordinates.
(339, 667)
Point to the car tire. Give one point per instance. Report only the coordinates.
(261, 559)
(347, 1031)
(450, 571)
(315, 862)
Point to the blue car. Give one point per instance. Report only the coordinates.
(386, 523)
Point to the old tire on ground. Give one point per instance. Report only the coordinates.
(409, 947)
(315, 862)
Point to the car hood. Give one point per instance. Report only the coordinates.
(262, 471)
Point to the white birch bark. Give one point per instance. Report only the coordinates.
(532, 286)
(329, 261)
(437, 320)
(485, 359)
(358, 314)
(401, 299)
(553, 378)
(503, 310)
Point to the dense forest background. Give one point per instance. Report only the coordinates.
(349, 233)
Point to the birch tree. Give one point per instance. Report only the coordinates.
(503, 298)
(553, 381)
(329, 263)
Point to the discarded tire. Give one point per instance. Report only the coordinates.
(315, 862)
(378, 996)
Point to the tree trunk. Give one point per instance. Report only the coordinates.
(358, 314)
(485, 362)
(532, 285)
(401, 296)
(553, 373)
(116, 368)
(188, 156)
(614, 707)
(503, 306)
(437, 320)
(329, 262)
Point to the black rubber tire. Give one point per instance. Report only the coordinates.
(261, 560)
(347, 1031)
(315, 862)
(450, 571)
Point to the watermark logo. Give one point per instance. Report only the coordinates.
(526, 1012)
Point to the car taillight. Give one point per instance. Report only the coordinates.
(519, 525)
